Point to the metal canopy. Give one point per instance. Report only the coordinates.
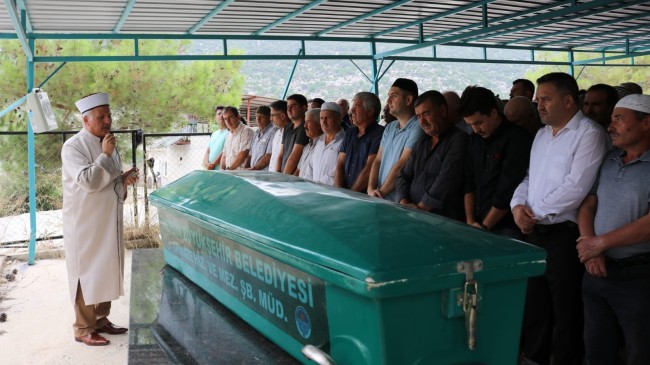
(616, 31)
(619, 29)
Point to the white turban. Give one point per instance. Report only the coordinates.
(92, 101)
(638, 102)
(331, 106)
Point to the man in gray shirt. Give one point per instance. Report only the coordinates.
(614, 241)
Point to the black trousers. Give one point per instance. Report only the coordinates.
(618, 305)
(553, 315)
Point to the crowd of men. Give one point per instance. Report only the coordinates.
(564, 170)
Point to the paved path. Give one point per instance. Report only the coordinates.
(38, 329)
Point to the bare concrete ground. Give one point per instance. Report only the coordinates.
(38, 328)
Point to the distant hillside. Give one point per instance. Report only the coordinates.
(340, 78)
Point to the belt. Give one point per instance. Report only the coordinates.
(636, 260)
(552, 228)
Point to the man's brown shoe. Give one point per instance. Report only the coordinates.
(111, 329)
(93, 339)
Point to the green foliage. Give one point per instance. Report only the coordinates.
(153, 96)
(590, 75)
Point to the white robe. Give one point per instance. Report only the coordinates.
(92, 219)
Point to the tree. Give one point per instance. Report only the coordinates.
(148, 95)
(153, 96)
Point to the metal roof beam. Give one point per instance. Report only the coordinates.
(433, 17)
(210, 15)
(125, 15)
(636, 47)
(505, 17)
(362, 17)
(177, 36)
(290, 16)
(47, 59)
(609, 58)
(478, 32)
(631, 46)
(15, 20)
(616, 39)
(22, 6)
(561, 12)
(573, 30)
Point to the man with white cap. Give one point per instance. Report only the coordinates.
(323, 160)
(315, 133)
(94, 190)
(614, 241)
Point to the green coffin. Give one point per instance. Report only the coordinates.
(363, 280)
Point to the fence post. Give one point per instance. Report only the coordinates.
(144, 172)
(134, 146)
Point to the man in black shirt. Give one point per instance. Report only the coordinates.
(294, 138)
(432, 178)
(496, 162)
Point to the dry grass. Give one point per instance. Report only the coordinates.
(143, 237)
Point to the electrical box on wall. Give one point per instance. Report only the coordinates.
(41, 116)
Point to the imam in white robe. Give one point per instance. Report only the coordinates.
(93, 195)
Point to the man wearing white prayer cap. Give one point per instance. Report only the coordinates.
(322, 165)
(94, 190)
(614, 245)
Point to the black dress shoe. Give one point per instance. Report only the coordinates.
(93, 339)
(111, 329)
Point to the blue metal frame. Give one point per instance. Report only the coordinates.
(13, 106)
(574, 8)
(293, 70)
(20, 30)
(568, 40)
(616, 39)
(129, 36)
(23, 6)
(210, 15)
(31, 168)
(288, 17)
(125, 15)
(577, 29)
(479, 32)
(610, 58)
(433, 17)
(51, 75)
(364, 16)
(507, 17)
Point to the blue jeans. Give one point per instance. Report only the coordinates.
(618, 303)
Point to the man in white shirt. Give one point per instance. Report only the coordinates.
(238, 141)
(315, 133)
(564, 161)
(324, 157)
